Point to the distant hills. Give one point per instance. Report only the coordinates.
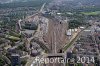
(76, 5)
(89, 2)
(85, 2)
(23, 3)
(9, 1)
(81, 2)
(69, 3)
(4, 1)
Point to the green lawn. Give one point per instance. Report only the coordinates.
(91, 13)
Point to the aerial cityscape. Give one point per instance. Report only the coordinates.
(49, 32)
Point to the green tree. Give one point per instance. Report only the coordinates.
(1, 62)
(74, 24)
(23, 62)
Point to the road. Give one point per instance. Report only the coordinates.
(39, 12)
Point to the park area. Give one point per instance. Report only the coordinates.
(91, 13)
